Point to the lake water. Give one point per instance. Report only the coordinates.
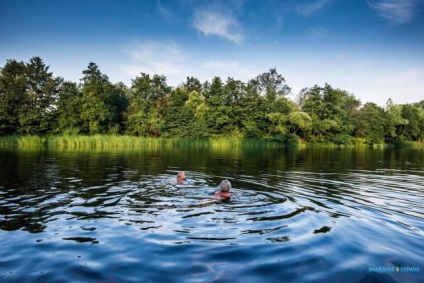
(296, 215)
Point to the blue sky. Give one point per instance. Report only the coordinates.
(372, 48)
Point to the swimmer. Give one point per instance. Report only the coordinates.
(181, 177)
(224, 190)
(222, 195)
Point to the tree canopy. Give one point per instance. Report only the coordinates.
(34, 101)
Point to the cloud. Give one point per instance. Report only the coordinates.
(397, 11)
(164, 12)
(307, 8)
(233, 69)
(404, 78)
(403, 86)
(156, 58)
(215, 23)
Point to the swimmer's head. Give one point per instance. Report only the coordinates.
(181, 176)
(225, 186)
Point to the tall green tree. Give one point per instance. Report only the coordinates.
(69, 107)
(234, 91)
(39, 109)
(178, 119)
(413, 130)
(98, 113)
(394, 122)
(147, 105)
(193, 84)
(139, 106)
(119, 101)
(196, 107)
(332, 113)
(300, 123)
(370, 123)
(272, 85)
(253, 113)
(13, 85)
(218, 109)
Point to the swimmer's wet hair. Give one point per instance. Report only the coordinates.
(180, 174)
(225, 186)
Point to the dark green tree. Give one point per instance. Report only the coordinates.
(178, 119)
(332, 112)
(253, 112)
(196, 106)
(13, 85)
(39, 109)
(193, 84)
(370, 123)
(413, 130)
(234, 91)
(140, 104)
(272, 85)
(119, 101)
(218, 108)
(394, 122)
(300, 123)
(98, 113)
(69, 109)
(147, 105)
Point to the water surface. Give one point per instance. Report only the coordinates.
(311, 215)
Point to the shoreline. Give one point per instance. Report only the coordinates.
(133, 142)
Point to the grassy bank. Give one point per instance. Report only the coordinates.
(115, 141)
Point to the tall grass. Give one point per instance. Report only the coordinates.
(107, 141)
(115, 141)
(23, 141)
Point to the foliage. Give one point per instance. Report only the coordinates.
(332, 112)
(35, 103)
(13, 85)
(69, 119)
(28, 96)
(300, 121)
(371, 123)
(147, 105)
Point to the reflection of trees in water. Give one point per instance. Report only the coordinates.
(27, 179)
(34, 183)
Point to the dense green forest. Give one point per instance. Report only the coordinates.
(35, 102)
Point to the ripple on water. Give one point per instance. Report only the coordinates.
(300, 226)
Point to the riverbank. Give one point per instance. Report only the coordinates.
(118, 141)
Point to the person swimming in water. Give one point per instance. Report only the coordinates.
(224, 190)
(222, 195)
(181, 177)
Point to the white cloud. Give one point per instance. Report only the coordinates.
(397, 11)
(402, 86)
(156, 58)
(370, 79)
(371, 84)
(164, 12)
(307, 8)
(218, 23)
(226, 69)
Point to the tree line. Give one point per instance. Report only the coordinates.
(35, 102)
